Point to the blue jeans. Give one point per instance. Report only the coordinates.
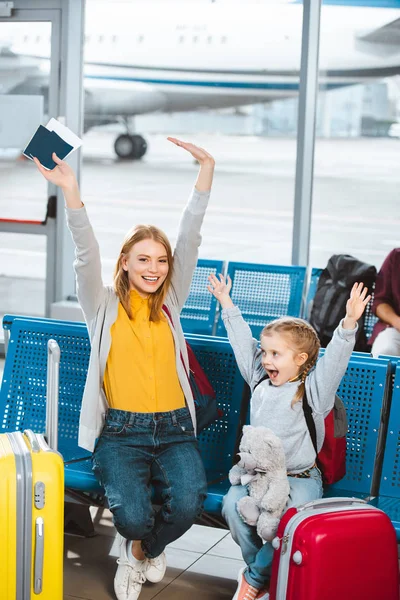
(138, 451)
(256, 554)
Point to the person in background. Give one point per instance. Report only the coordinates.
(385, 337)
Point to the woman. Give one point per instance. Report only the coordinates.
(137, 402)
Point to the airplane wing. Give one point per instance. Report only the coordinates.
(15, 70)
(388, 35)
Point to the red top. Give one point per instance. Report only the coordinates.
(387, 289)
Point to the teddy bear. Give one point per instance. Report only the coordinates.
(262, 467)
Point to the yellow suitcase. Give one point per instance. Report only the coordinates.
(31, 514)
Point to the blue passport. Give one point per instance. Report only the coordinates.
(44, 143)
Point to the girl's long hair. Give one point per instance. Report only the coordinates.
(121, 277)
(303, 338)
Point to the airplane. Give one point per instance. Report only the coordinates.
(143, 57)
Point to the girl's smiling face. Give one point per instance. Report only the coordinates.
(280, 358)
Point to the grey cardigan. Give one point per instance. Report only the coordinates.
(99, 304)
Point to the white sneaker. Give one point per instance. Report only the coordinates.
(155, 568)
(129, 577)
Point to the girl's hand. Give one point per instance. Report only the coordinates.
(356, 305)
(220, 288)
(62, 175)
(201, 155)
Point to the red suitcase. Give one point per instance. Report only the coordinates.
(335, 549)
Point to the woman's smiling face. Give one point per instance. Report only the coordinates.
(147, 266)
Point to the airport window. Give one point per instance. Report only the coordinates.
(354, 131)
(38, 38)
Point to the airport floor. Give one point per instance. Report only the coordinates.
(203, 563)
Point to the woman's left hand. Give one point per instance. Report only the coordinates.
(201, 155)
(356, 305)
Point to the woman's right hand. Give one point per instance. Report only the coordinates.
(62, 175)
(220, 288)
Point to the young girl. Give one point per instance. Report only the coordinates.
(137, 400)
(289, 350)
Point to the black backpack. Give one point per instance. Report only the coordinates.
(333, 291)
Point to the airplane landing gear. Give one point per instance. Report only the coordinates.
(128, 146)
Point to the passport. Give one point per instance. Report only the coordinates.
(43, 144)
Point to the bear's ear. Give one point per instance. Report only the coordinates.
(271, 442)
(247, 428)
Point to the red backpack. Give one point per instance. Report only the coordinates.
(203, 392)
(331, 459)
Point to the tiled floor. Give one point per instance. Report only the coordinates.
(202, 564)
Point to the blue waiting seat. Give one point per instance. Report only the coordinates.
(23, 397)
(363, 390)
(312, 288)
(199, 313)
(265, 292)
(389, 490)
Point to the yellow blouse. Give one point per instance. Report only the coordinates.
(140, 373)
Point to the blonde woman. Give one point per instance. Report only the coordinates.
(138, 414)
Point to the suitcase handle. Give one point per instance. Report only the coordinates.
(334, 502)
(32, 440)
(39, 556)
(53, 367)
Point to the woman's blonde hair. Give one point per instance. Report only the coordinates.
(121, 277)
(304, 339)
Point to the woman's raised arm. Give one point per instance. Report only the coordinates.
(189, 238)
(63, 176)
(87, 265)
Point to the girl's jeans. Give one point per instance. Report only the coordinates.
(258, 556)
(138, 451)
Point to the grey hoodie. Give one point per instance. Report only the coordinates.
(271, 406)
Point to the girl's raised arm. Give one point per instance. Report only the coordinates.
(327, 375)
(245, 347)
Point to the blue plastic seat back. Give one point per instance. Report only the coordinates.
(199, 313)
(265, 292)
(312, 288)
(23, 392)
(370, 318)
(390, 480)
(217, 442)
(363, 390)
